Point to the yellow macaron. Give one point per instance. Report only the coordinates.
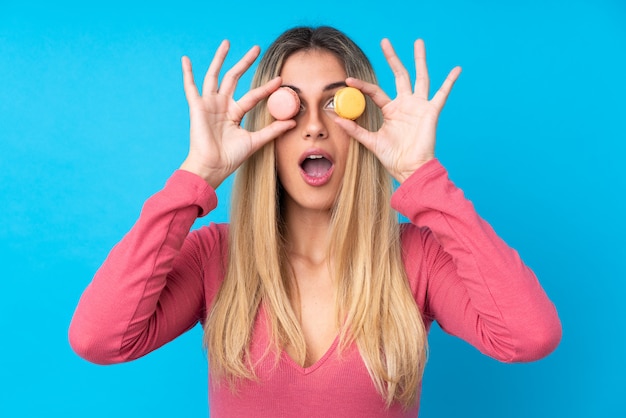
(349, 103)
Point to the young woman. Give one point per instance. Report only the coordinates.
(314, 300)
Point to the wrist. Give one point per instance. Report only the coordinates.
(402, 175)
(213, 177)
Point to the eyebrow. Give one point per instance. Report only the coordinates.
(328, 87)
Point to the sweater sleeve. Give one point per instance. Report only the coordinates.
(149, 290)
(471, 282)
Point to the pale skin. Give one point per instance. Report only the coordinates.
(219, 145)
(316, 76)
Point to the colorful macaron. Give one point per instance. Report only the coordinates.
(283, 104)
(349, 103)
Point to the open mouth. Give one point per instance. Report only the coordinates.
(316, 165)
(316, 168)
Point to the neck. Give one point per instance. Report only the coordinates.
(307, 233)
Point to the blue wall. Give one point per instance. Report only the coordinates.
(93, 120)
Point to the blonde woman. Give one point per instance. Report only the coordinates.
(314, 300)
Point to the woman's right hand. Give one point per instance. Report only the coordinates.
(218, 143)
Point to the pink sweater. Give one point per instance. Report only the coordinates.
(159, 280)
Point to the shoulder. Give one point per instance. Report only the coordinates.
(210, 238)
(415, 240)
(412, 240)
(423, 257)
(206, 249)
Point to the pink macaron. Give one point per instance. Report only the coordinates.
(283, 104)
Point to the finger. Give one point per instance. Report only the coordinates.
(212, 75)
(191, 91)
(378, 96)
(357, 132)
(231, 78)
(254, 96)
(439, 99)
(422, 81)
(403, 81)
(270, 132)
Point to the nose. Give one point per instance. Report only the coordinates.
(314, 126)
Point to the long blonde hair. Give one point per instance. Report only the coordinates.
(375, 307)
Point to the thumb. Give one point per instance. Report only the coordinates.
(270, 132)
(354, 130)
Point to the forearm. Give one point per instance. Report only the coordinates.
(117, 317)
(479, 289)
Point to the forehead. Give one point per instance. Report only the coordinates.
(312, 66)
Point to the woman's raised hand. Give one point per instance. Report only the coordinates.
(218, 144)
(406, 140)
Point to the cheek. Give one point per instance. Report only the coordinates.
(283, 155)
(344, 148)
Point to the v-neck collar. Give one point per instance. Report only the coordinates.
(310, 369)
(284, 356)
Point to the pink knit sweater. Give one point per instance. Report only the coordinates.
(159, 280)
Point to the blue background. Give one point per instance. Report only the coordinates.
(93, 120)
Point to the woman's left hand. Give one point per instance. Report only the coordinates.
(406, 140)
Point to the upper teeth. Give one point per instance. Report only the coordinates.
(315, 157)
